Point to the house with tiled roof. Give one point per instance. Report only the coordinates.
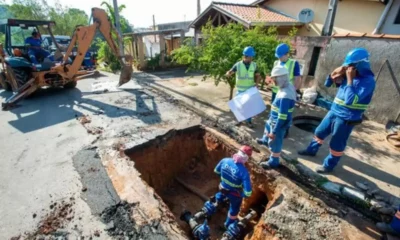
(220, 13)
(350, 16)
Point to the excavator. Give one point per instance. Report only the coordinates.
(24, 78)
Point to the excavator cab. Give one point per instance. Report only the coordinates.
(14, 52)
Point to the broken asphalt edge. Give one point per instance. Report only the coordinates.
(351, 197)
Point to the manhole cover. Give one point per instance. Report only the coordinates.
(307, 123)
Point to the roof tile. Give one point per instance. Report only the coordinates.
(255, 14)
(366, 35)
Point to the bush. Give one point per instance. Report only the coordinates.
(223, 46)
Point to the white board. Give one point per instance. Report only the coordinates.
(247, 104)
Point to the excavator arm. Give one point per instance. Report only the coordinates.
(83, 37)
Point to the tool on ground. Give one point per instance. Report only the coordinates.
(23, 78)
(201, 231)
(236, 230)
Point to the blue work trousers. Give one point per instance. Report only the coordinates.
(34, 53)
(340, 131)
(275, 146)
(235, 200)
(395, 224)
(237, 93)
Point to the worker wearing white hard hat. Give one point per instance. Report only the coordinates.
(280, 118)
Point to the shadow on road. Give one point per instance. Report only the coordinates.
(51, 106)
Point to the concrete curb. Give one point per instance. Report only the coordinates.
(349, 196)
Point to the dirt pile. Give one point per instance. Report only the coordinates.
(50, 227)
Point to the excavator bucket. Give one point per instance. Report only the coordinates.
(126, 74)
(126, 71)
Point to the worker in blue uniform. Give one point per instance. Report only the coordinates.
(247, 74)
(393, 227)
(280, 118)
(235, 182)
(35, 48)
(87, 61)
(356, 84)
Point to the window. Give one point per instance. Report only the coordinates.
(314, 61)
(397, 19)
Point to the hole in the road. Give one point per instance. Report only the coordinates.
(180, 167)
(307, 123)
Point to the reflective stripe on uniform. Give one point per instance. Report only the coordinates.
(244, 76)
(282, 116)
(232, 217)
(230, 184)
(248, 194)
(335, 153)
(318, 140)
(291, 110)
(274, 109)
(354, 105)
(276, 154)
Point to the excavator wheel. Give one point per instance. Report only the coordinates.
(6, 86)
(70, 85)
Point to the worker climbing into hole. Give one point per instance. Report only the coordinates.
(247, 75)
(280, 118)
(356, 84)
(235, 182)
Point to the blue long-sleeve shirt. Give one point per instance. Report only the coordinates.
(33, 41)
(281, 112)
(234, 176)
(352, 100)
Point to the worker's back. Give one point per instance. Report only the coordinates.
(233, 175)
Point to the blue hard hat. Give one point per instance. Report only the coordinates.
(355, 56)
(281, 50)
(249, 52)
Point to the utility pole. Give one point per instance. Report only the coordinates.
(198, 8)
(118, 26)
(330, 18)
(154, 28)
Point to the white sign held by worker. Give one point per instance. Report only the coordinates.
(247, 104)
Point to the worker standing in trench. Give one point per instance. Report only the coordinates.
(235, 182)
(356, 84)
(280, 117)
(247, 75)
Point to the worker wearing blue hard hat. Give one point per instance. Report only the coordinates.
(282, 53)
(247, 75)
(356, 84)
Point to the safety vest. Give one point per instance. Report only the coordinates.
(244, 77)
(290, 67)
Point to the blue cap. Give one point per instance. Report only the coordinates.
(249, 52)
(282, 50)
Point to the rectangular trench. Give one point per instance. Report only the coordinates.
(190, 156)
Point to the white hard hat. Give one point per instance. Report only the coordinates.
(279, 71)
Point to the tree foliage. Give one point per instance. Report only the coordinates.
(66, 18)
(222, 47)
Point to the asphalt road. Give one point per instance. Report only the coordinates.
(42, 161)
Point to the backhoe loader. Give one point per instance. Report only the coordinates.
(25, 78)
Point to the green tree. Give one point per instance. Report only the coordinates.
(223, 46)
(67, 19)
